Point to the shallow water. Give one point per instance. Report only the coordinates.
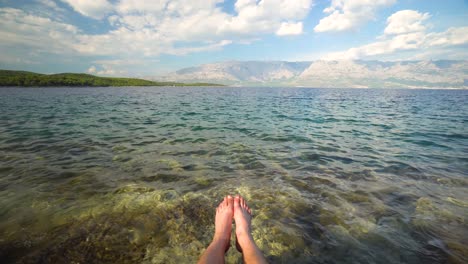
(120, 175)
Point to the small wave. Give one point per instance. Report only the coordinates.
(289, 138)
(173, 125)
(403, 169)
(190, 114)
(344, 160)
(201, 128)
(188, 140)
(163, 177)
(426, 143)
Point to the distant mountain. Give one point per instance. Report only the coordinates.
(242, 72)
(347, 73)
(31, 79)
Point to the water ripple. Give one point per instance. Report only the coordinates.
(115, 175)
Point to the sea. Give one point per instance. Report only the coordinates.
(134, 174)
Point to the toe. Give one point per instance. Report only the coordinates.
(236, 201)
(242, 201)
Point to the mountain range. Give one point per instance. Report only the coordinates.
(330, 74)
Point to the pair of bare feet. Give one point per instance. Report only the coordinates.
(232, 208)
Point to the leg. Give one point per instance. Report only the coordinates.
(245, 243)
(222, 237)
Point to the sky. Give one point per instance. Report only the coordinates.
(144, 38)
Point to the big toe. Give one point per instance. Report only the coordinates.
(230, 201)
(237, 202)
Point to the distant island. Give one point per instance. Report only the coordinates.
(32, 79)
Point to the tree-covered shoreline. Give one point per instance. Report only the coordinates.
(32, 79)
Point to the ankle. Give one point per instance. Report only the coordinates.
(222, 240)
(244, 237)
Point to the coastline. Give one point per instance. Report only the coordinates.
(27, 79)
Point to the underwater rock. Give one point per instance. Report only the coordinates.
(356, 196)
(173, 164)
(361, 226)
(120, 158)
(133, 188)
(137, 228)
(119, 148)
(203, 181)
(332, 217)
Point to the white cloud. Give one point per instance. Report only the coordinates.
(410, 41)
(273, 9)
(106, 70)
(92, 70)
(31, 39)
(406, 21)
(91, 8)
(132, 6)
(349, 14)
(186, 26)
(265, 16)
(113, 67)
(39, 33)
(13, 59)
(451, 37)
(51, 4)
(440, 53)
(145, 29)
(290, 29)
(412, 36)
(150, 28)
(197, 20)
(205, 47)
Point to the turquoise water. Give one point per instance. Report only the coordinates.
(133, 175)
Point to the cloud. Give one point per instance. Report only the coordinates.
(205, 47)
(184, 26)
(265, 16)
(197, 20)
(272, 9)
(105, 70)
(124, 66)
(51, 4)
(406, 21)
(13, 59)
(42, 34)
(92, 70)
(405, 31)
(349, 14)
(35, 40)
(453, 36)
(141, 30)
(147, 29)
(290, 29)
(411, 41)
(135, 6)
(96, 9)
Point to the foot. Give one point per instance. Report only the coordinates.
(223, 222)
(242, 217)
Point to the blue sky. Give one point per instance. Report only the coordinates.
(148, 38)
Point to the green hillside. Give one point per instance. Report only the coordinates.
(31, 79)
